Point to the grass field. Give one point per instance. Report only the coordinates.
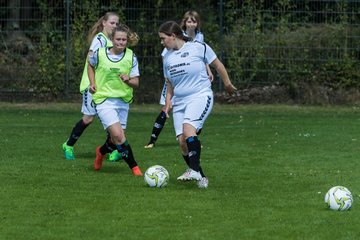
(269, 168)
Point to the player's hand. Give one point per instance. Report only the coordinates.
(167, 109)
(92, 88)
(125, 78)
(211, 77)
(230, 88)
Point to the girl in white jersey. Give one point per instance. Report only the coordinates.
(184, 67)
(99, 37)
(113, 73)
(190, 26)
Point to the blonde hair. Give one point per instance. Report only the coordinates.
(132, 37)
(194, 16)
(98, 26)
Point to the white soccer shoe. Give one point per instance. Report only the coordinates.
(203, 182)
(189, 175)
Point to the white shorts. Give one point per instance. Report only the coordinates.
(163, 95)
(193, 111)
(111, 111)
(88, 107)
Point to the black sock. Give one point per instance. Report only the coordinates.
(108, 146)
(127, 154)
(186, 158)
(76, 132)
(194, 148)
(158, 126)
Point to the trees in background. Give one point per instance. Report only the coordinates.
(284, 42)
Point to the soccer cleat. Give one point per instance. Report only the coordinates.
(115, 156)
(98, 160)
(183, 176)
(189, 175)
(203, 182)
(150, 145)
(68, 151)
(136, 171)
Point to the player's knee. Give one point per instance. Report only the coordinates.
(118, 138)
(88, 119)
(183, 145)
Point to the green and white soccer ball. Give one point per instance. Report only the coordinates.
(156, 176)
(338, 198)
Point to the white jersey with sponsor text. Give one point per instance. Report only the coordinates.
(186, 70)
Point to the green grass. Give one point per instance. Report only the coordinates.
(269, 168)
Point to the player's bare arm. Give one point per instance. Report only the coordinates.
(229, 87)
(132, 82)
(208, 70)
(169, 95)
(91, 75)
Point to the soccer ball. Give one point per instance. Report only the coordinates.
(156, 176)
(338, 198)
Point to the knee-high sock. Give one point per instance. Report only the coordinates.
(108, 146)
(76, 132)
(194, 149)
(158, 126)
(127, 154)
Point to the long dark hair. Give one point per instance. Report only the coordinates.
(171, 27)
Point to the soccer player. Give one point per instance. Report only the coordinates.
(190, 26)
(99, 37)
(113, 73)
(184, 65)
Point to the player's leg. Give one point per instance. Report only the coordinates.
(123, 147)
(108, 116)
(195, 115)
(115, 121)
(89, 113)
(185, 155)
(160, 120)
(157, 127)
(184, 146)
(187, 160)
(79, 128)
(108, 145)
(194, 150)
(115, 156)
(178, 118)
(101, 151)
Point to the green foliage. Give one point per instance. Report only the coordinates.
(338, 75)
(260, 42)
(50, 57)
(290, 52)
(269, 168)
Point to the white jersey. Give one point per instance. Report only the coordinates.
(98, 42)
(186, 70)
(199, 36)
